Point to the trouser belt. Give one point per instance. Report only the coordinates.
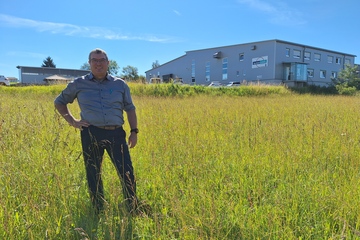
(109, 127)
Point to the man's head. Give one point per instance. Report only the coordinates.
(99, 63)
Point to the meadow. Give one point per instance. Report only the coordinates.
(256, 163)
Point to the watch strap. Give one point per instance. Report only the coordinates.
(135, 130)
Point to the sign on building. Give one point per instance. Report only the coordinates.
(260, 62)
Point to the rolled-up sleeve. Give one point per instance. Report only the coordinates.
(128, 103)
(68, 95)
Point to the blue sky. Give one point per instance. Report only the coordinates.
(139, 32)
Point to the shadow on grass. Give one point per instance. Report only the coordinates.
(315, 90)
(112, 223)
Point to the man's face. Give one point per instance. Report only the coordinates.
(99, 64)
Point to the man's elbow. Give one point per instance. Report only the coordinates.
(59, 106)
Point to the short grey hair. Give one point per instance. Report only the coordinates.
(98, 50)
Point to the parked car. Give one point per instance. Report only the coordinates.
(233, 84)
(4, 81)
(214, 84)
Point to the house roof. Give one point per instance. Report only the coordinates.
(56, 77)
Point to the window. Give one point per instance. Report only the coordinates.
(322, 73)
(333, 74)
(307, 55)
(193, 71)
(347, 61)
(241, 57)
(193, 68)
(297, 54)
(207, 72)
(310, 72)
(287, 52)
(330, 59)
(301, 72)
(225, 69)
(317, 57)
(338, 60)
(295, 71)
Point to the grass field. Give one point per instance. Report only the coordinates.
(278, 166)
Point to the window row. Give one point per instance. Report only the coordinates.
(310, 73)
(317, 56)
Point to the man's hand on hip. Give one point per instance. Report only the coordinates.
(79, 124)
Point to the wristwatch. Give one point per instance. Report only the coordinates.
(134, 130)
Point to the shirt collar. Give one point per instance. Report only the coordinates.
(108, 77)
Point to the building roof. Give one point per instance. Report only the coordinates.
(51, 68)
(56, 77)
(277, 40)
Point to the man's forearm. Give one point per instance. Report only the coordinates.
(132, 119)
(65, 113)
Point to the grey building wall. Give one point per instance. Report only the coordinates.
(36, 75)
(271, 62)
(237, 69)
(178, 67)
(337, 63)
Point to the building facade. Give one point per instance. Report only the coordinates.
(269, 62)
(38, 75)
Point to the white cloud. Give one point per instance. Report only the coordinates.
(26, 54)
(177, 12)
(279, 13)
(74, 30)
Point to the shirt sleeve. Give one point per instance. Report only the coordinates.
(68, 95)
(128, 103)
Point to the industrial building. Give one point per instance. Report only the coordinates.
(40, 75)
(269, 62)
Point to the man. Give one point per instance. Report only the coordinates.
(102, 99)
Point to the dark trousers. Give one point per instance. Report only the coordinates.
(94, 142)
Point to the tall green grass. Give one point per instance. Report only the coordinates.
(280, 166)
(168, 90)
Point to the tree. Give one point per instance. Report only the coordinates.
(48, 62)
(141, 79)
(348, 76)
(113, 67)
(155, 64)
(347, 81)
(85, 66)
(130, 73)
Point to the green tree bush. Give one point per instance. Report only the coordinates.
(113, 68)
(130, 73)
(48, 62)
(347, 82)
